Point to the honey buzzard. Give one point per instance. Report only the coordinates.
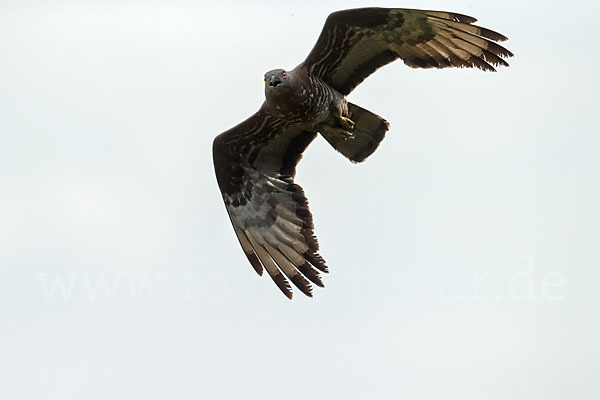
(255, 162)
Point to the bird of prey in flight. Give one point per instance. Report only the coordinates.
(255, 161)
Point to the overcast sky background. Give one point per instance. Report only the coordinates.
(464, 254)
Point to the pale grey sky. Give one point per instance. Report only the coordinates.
(463, 255)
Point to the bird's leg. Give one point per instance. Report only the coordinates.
(341, 127)
(337, 131)
(342, 119)
(339, 123)
(346, 123)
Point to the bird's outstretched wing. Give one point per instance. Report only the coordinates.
(354, 43)
(255, 163)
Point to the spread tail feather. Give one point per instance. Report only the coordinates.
(369, 131)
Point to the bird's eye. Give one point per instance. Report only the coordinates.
(284, 75)
(265, 79)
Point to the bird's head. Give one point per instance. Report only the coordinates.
(276, 79)
(279, 91)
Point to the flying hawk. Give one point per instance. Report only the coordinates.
(255, 162)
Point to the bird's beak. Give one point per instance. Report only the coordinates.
(274, 81)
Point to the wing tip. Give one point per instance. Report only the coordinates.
(283, 285)
(255, 262)
(317, 261)
(302, 284)
(313, 275)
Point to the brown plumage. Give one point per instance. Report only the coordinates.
(255, 162)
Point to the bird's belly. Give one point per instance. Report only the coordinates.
(318, 118)
(316, 107)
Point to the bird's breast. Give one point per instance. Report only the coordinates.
(307, 104)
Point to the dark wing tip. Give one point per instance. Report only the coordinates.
(255, 263)
(499, 50)
(301, 283)
(493, 59)
(465, 19)
(493, 35)
(283, 284)
(311, 274)
(456, 17)
(317, 261)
